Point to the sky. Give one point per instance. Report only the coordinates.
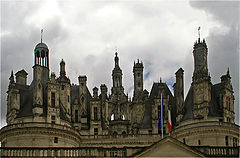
(86, 35)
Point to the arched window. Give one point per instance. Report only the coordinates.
(226, 140)
(124, 134)
(38, 54)
(112, 117)
(42, 54)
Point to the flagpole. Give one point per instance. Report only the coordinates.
(168, 114)
(162, 115)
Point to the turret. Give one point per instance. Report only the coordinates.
(13, 100)
(117, 76)
(227, 98)
(138, 78)
(200, 61)
(201, 81)
(62, 68)
(83, 90)
(64, 82)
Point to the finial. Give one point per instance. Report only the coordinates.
(199, 33)
(160, 79)
(138, 60)
(116, 54)
(12, 73)
(41, 34)
(228, 71)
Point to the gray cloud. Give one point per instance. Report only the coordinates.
(223, 45)
(85, 35)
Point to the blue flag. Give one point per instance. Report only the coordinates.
(161, 116)
(161, 119)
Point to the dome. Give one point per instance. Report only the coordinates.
(41, 45)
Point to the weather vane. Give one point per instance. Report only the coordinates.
(199, 32)
(41, 34)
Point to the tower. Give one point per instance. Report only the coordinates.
(95, 112)
(117, 76)
(138, 78)
(201, 81)
(226, 98)
(40, 77)
(13, 100)
(64, 89)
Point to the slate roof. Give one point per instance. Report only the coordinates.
(156, 90)
(26, 100)
(214, 109)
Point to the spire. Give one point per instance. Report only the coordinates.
(228, 72)
(116, 60)
(199, 33)
(41, 34)
(62, 68)
(11, 78)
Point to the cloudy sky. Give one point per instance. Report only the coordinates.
(87, 33)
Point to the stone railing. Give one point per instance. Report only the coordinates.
(218, 151)
(128, 136)
(37, 124)
(62, 152)
(104, 152)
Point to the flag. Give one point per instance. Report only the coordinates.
(169, 121)
(161, 119)
(161, 116)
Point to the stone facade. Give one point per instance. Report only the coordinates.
(52, 112)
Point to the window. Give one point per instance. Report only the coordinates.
(53, 119)
(3, 144)
(111, 153)
(55, 139)
(95, 113)
(53, 99)
(139, 84)
(235, 142)
(124, 153)
(62, 87)
(150, 132)
(199, 142)
(229, 103)
(95, 131)
(184, 141)
(82, 99)
(226, 140)
(76, 115)
(68, 98)
(138, 74)
(112, 117)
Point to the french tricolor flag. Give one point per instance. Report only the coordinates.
(169, 121)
